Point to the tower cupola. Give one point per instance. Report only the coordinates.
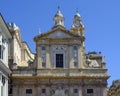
(77, 25)
(58, 18)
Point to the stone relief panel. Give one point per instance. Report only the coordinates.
(59, 34)
(92, 63)
(59, 48)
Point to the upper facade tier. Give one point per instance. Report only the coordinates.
(61, 52)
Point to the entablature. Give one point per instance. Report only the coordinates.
(61, 73)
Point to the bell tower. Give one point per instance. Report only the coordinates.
(77, 26)
(58, 18)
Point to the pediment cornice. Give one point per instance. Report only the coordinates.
(60, 29)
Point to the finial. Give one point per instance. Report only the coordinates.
(58, 7)
(77, 13)
(58, 10)
(76, 10)
(39, 31)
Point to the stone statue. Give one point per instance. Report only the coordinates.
(59, 92)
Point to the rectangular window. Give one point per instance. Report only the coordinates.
(43, 64)
(28, 91)
(75, 90)
(59, 60)
(43, 91)
(10, 90)
(3, 80)
(75, 48)
(89, 91)
(43, 48)
(75, 63)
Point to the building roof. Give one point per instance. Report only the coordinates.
(7, 31)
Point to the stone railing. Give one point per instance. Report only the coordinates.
(60, 72)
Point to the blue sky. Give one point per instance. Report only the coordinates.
(100, 17)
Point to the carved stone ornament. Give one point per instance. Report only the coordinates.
(59, 48)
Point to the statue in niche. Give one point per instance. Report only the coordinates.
(59, 92)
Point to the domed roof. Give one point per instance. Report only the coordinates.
(59, 13)
(77, 14)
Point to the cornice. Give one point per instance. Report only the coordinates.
(58, 77)
(61, 39)
(4, 68)
(29, 52)
(42, 36)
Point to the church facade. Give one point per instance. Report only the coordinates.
(60, 67)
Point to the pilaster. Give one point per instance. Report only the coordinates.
(71, 57)
(70, 91)
(15, 90)
(80, 91)
(39, 65)
(79, 58)
(48, 63)
(68, 57)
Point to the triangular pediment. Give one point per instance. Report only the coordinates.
(56, 33)
(59, 34)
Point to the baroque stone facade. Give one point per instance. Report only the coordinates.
(60, 66)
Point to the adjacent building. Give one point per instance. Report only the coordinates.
(5, 40)
(21, 57)
(60, 67)
(114, 89)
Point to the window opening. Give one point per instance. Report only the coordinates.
(59, 60)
